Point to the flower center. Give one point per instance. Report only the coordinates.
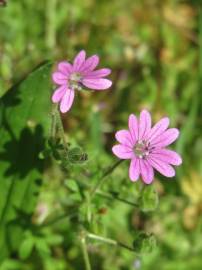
(75, 81)
(141, 149)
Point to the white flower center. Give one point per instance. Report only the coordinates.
(75, 81)
(142, 149)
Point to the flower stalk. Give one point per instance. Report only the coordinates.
(57, 125)
(53, 122)
(61, 128)
(85, 253)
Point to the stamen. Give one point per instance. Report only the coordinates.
(141, 149)
(75, 81)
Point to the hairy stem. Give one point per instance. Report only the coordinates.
(53, 122)
(85, 254)
(61, 128)
(57, 125)
(102, 239)
(108, 241)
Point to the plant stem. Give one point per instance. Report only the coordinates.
(57, 125)
(53, 121)
(109, 241)
(115, 197)
(103, 177)
(102, 239)
(85, 254)
(61, 128)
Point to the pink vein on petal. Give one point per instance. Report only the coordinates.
(79, 60)
(133, 127)
(59, 78)
(97, 84)
(67, 101)
(146, 171)
(162, 167)
(89, 65)
(167, 137)
(65, 67)
(167, 156)
(158, 128)
(59, 93)
(98, 73)
(124, 137)
(134, 169)
(144, 124)
(122, 151)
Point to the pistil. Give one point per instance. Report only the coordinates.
(141, 149)
(75, 81)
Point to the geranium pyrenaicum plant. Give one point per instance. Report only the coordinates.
(145, 147)
(71, 77)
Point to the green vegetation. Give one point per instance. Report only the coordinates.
(48, 219)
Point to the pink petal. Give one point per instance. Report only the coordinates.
(89, 65)
(79, 60)
(133, 127)
(162, 167)
(65, 67)
(167, 156)
(134, 169)
(166, 138)
(97, 84)
(159, 128)
(124, 137)
(122, 151)
(144, 124)
(67, 101)
(59, 93)
(98, 73)
(146, 171)
(59, 78)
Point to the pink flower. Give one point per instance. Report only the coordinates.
(71, 77)
(145, 147)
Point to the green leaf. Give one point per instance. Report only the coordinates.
(11, 264)
(148, 200)
(26, 248)
(144, 243)
(42, 247)
(54, 239)
(24, 124)
(72, 185)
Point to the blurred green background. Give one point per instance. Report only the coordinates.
(154, 49)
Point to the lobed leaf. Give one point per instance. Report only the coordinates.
(24, 124)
